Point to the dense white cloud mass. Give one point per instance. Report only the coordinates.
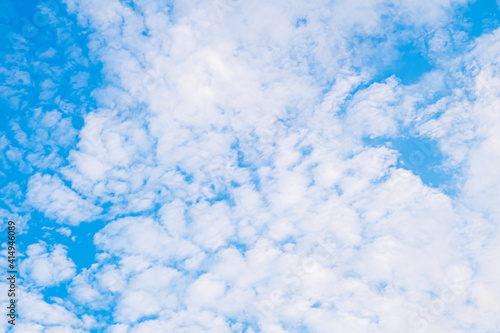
(244, 158)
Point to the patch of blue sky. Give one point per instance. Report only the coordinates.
(221, 194)
(24, 20)
(316, 305)
(408, 58)
(241, 247)
(21, 120)
(381, 286)
(300, 22)
(81, 250)
(482, 16)
(409, 64)
(422, 157)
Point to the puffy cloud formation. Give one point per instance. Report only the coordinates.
(51, 196)
(270, 166)
(47, 268)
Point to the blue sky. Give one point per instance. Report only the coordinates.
(235, 166)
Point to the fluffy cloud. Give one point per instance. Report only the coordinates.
(269, 194)
(50, 195)
(246, 154)
(47, 267)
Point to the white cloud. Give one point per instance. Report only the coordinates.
(50, 195)
(41, 316)
(47, 267)
(246, 129)
(64, 231)
(48, 54)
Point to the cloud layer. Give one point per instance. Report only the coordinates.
(267, 167)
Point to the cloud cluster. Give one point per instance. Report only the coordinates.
(47, 268)
(244, 158)
(50, 195)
